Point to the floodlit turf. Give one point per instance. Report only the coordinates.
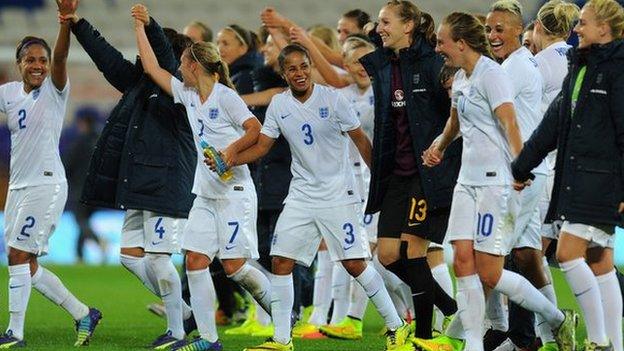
(127, 325)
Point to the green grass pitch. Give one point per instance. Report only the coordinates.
(127, 325)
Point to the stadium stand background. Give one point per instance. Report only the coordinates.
(38, 17)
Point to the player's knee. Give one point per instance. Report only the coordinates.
(232, 266)
(387, 257)
(354, 267)
(564, 255)
(282, 266)
(196, 261)
(16, 257)
(132, 251)
(489, 277)
(463, 262)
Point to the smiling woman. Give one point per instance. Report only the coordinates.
(403, 69)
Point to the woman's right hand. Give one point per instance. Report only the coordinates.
(433, 155)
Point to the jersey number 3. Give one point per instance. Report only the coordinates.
(21, 122)
(307, 133)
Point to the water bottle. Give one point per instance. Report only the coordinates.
(222, 169)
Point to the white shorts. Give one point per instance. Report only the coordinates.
(596, 236)
(529, 220)
(485, 215)
(370, 221)
(31, 215)
(153, 232)
(299, 230)
(549, 230)
(224, 228)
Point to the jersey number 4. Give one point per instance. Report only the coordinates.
(21, 121)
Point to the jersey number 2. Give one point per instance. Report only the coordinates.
(22, 119)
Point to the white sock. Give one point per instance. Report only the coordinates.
(519, 290)
(471, 311)
(341, 290)
(403, 310)
(136, 266)
(282, 300)
(203, 302)
(262, 316)
(170, 288)
(371, 282)
(256, 283)
(442, 276)
(321, 298)
(548, 273)
(455, 329)
(359, 301)
(584, 285)
(543, 328)
(397, 287)
(495, 311)
(19, 293)
(50, 286)
(612, 306)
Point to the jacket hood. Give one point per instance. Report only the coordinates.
(249, 61)
(598, 53)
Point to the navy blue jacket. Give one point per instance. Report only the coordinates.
(589, 175)
(241, 70)
(428, 108)
(145, 158)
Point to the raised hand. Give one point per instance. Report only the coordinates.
(298, 35)
(271, 18)
(67, 7)
(140, 14)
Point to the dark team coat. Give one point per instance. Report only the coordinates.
(145, 158)
(427, 107)
(590, 142)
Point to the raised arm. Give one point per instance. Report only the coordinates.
(148, 59)
(58, 69)
(298, 35)
(118, 71)
(261, 98)
(157, 39)
(363, 144)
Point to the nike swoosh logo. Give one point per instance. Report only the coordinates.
(15, 286)
(156, 242)
(582, 292)
(153, 96)
(20, 239)
(479, 241)
(413, 224)
(347, 247)
(284, 116)
(230, 247)
(418, 293)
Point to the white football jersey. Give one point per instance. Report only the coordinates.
(526, 80)
(553, 64)
(35, 121)
(486, 156)
(219, 122)
(364, 106)
(316, 133)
